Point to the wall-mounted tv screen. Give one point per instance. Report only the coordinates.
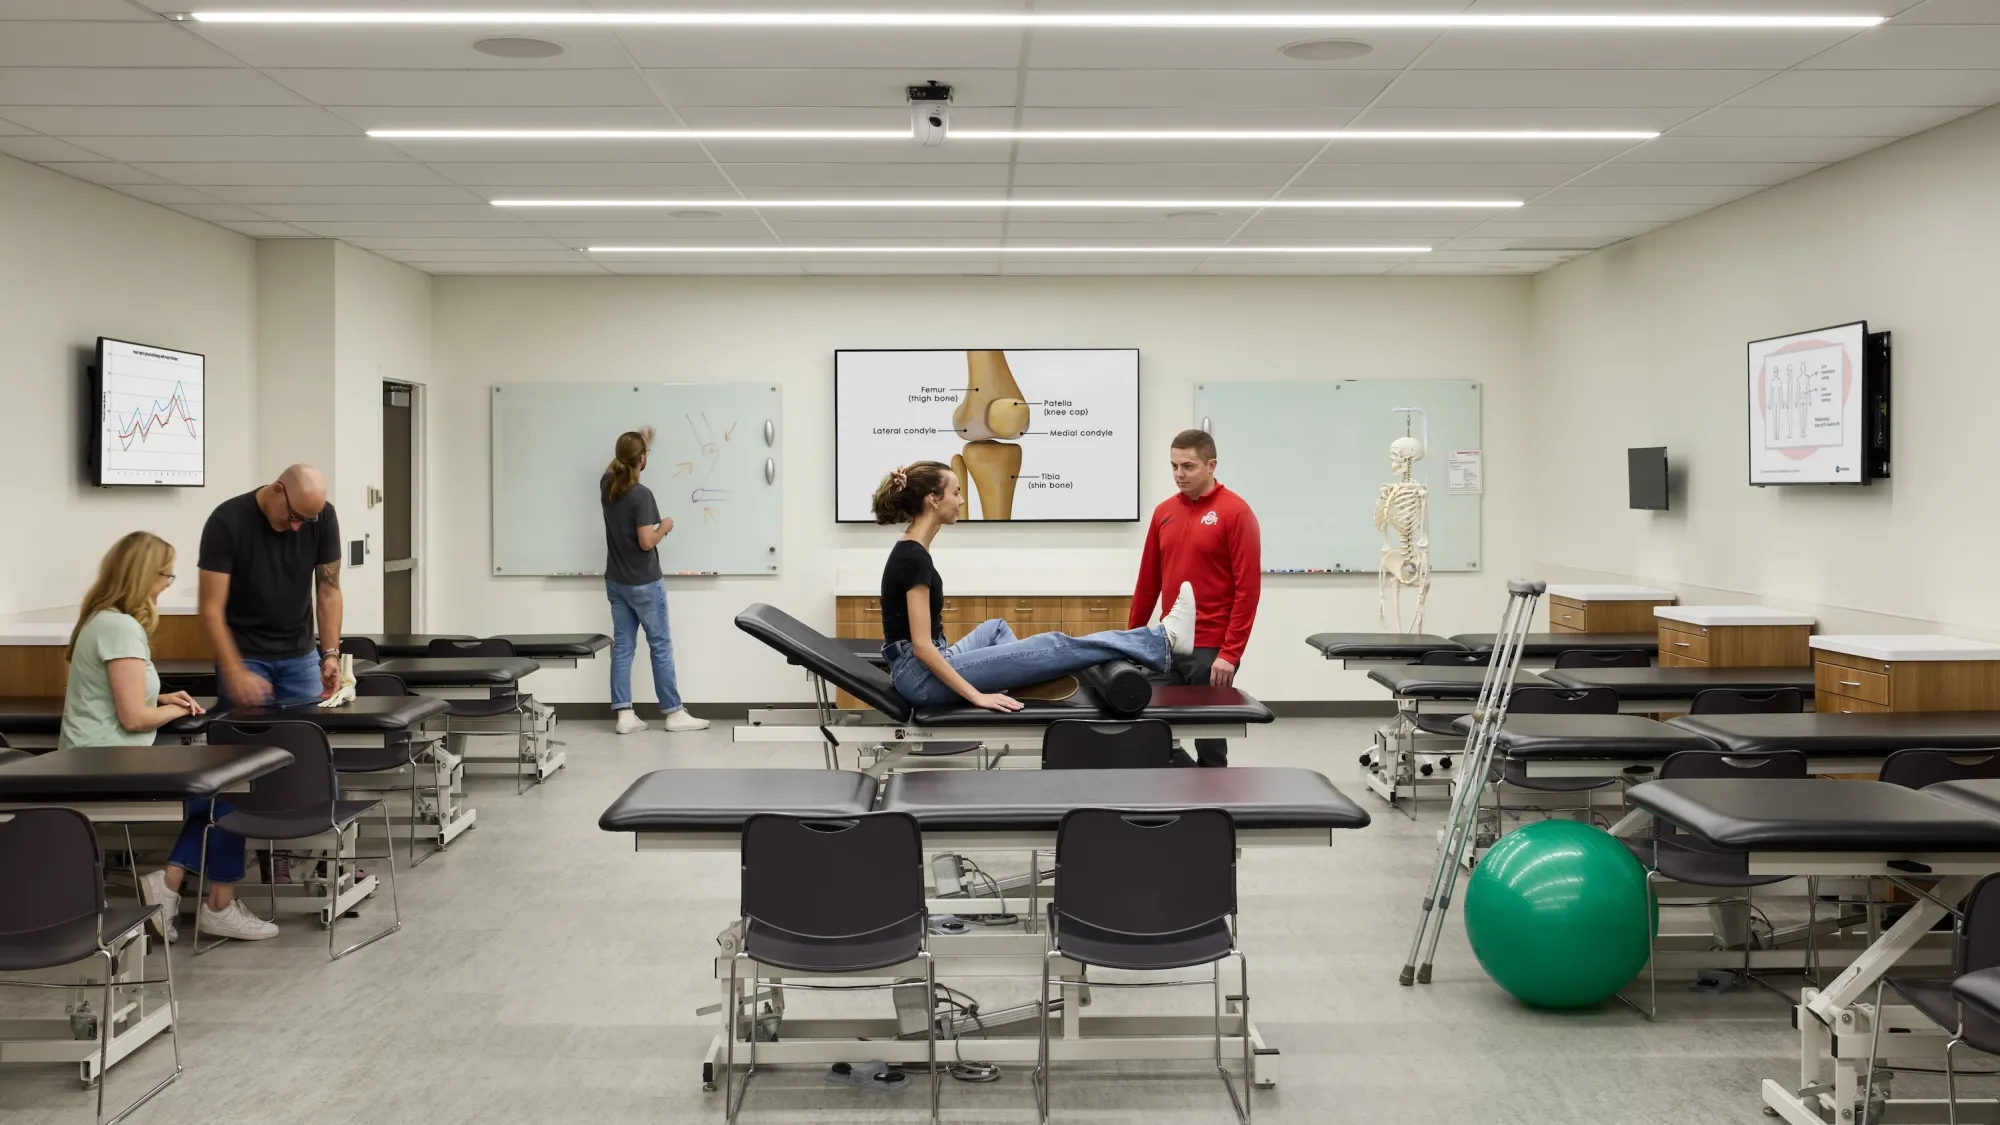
(1646, 477)
(1034, 434)
(151, 427)
(1808, 396)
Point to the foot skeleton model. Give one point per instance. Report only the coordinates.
(1402, 515)
(992, 409)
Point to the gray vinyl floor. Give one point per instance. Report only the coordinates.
(546, 972)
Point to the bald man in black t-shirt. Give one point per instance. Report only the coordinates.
(268, 559)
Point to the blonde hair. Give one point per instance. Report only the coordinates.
(624, 466)
(125, 580)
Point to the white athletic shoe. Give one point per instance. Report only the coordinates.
(680, 720)
(1179, 622)
(629, 722)
(233, 921)
(153, 889)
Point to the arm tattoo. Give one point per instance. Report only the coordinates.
(329, 576)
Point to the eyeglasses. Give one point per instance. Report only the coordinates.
(292, 513)
(169, 576)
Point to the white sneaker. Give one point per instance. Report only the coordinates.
(1179, 622)
(233, 921)
(680, 720)
(629, 722)
(153, 889)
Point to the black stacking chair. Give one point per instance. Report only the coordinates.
(1961, 1004)
(804, 910)
(53, 913)
(299, 802)
(1533, 700)
(1915, 768)
(361, 648)
(1088, 744)
(1603, 658)
(381, 759)
(1144, 892)
(1672, 856)
(499, 705)
(1736, 701)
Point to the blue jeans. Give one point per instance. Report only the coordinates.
(991, 659)
(632, 607)
(293, 679)
(225, 849)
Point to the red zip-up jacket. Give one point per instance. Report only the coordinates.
(1212, 542)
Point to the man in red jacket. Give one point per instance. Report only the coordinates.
(1205, 535)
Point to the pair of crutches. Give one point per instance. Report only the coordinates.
(1477, 758)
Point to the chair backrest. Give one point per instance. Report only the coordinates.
(1737, 701)
(1146, 873)
(1603, 658)
(490, 646)
(50, 869)
(361, 648)
(1562, 701)
(307, 781)
(1455, 658)
(379, 683)
(1979, 929)
(1916, 767)
(832, 878)
(1087, 744)
(1724, 764)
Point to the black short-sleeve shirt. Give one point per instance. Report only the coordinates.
(909, 567)
(625, 562)
(270, 607)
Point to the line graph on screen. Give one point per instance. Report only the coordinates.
(151, 426)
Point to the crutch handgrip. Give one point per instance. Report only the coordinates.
(1534, 586)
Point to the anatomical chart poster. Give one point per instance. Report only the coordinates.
(1805, 407)
(1036, 434)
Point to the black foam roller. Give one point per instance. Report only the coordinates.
(1121, 687)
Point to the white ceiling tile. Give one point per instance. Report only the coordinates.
(746, 228)
(265, 230)
(1468, 152)
(533, 151)
(43, 150)
(1153, 229)
(1293, 153)
(1181, 117)
(391, 230)
(179, 121)
(1632, 172)
(1056, 268)
(406, 244)
(106, 172)
(506, 268)
(1239, 267)
(167, 193)
(1754, 121)
(1545, 228)
(914, 49)
(80, 85)
(1482, 175)
(901, 150)
(908, 231)
(1162, 175)
(222, 212)
(628, 268)
(406, 48)
(559, 174)
(834, 117)
(1951, 11)
(321, 174)
(1241, 49)
(806, 87)
(1446, 269)
(1815, 150)
(648, 116)
(1205, 88)
(444, 88)
(1622, 118)
(1877, 88)
(558, 257)
(1559, 88)
(906, 177)
(254, 194)
(1604, 212)
(73, 10)
(926, 267)
(1916, 48)
(99, 44)
(1286, 226)
(1694, 196)
(1655, 50)
(384, 212)
(9, 129)
(219, 150)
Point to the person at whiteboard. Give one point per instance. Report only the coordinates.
(980, 668)
(1205, 536)
(633, 530)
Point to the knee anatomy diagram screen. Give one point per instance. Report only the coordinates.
(1805, 407)
(1033, 434)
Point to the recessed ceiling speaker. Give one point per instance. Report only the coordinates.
(1326, 50)
(518, 47)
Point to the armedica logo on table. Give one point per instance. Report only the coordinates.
(1208, 520)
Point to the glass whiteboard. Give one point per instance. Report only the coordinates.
(713, 468)
(1310, 458)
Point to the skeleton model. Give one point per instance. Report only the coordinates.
(1402, 515)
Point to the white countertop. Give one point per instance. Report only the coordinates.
(1610, 593)
(1731, 615)
(1008, 589)
(36, 632)
(1907, 646)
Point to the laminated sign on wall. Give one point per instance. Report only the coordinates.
(1465, 472)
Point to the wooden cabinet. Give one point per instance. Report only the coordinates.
(1581, 613)
(1845, 682)
(1684, 645)
(38, 669)
(1025, 614)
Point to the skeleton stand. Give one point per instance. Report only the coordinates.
(1477, 757)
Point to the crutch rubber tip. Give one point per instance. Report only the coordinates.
(1424, 975)
(1409, 975)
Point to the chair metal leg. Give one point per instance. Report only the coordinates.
(1241, 1104)
(201, 893)
(930, 1033)
(271, 880)
(132, 865)
(1812, 928)
(104, 1034)
(333, 892)
(1041, 1075)
(1951, 1083)
(730, 1015)
(105, 1018)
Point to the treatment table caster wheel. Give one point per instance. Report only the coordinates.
(708, 1078)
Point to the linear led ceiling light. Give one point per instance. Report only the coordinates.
(1015, 134)
(975, 204)
(905, 249)
(1117, 20)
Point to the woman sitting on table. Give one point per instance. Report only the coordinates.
(990, 659)
(114, 699)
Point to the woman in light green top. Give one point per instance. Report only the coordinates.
(114, 696)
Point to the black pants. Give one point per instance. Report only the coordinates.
(1193, 670)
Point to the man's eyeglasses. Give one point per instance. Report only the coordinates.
(291, 514)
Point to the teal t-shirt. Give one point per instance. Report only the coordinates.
(90, 716)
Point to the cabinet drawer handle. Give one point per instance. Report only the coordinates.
(1850, 683)
(1680, 644)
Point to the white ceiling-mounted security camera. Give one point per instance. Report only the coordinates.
(930, 112)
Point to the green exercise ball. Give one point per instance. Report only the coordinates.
(1559, 914)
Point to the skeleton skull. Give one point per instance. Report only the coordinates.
(1404, 452)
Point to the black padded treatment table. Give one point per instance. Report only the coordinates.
(1422, 688)
(481, 678)
(1366, 650)
(1630, 746)
(550, 650)
(1935, 844)
(457, 677)
(1541, 649)
(35, 722)
(1651, 690)
(1005, 810)
(135, 784)
(1838, 743)
(1193, 712)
